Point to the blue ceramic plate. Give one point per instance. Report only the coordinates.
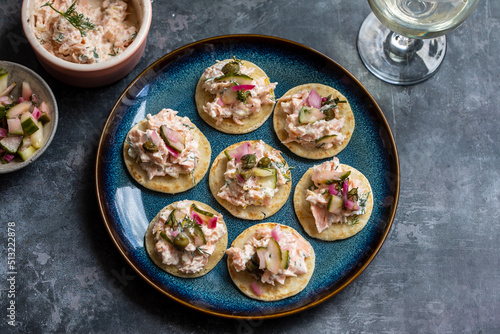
(127, 208)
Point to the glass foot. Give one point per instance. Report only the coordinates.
(397, 59)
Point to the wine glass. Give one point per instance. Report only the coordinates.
(402, 42)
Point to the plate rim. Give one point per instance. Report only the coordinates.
(219, 38)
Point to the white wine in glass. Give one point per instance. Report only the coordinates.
(402, 42)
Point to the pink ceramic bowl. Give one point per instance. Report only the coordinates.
(97, 74)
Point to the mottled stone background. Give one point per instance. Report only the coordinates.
(438, 271)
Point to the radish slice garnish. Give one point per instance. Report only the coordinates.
(314, 99)
(256, 288)
(240, 87)
(276, 233)
(212, 222)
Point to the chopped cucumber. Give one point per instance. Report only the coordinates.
(37, 136)
(25, 142)
(263, 172)
(4, 76)
(172, 138)
(240, 79)
(205, 215)
(14, 126)
(165, 237)
(309, 115)
(28, 123)
(324, 140)
(270, 181)
(11, 143)
(26, 153)
(273, 261)
(335, 203)
(18, 109)
(345, 175)
(44, 118)
(229, 96)
(285, 259)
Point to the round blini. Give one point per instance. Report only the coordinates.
(251, 123)
(252, 212)
(279, 122)
(336, 231)
(168, 184)
(292, 286)
(149, 243)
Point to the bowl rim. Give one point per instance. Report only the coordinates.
(67, 65)
(54, 119)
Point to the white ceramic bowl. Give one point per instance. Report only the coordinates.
(20, 73)
(97, 74)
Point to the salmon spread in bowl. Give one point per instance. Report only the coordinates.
(84, 31)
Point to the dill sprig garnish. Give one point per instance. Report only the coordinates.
(77, 20)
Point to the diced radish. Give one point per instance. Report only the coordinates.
(36, 113)
(175, 233)
(351, 205)
(220, 102)
(212, 222)
(197, 218)
(240, 178)
(333, 190)
(9, 157)
(21, 99)
(276, 233)
(256, 288)
(26, 91)
(314, 99)
(3, 133)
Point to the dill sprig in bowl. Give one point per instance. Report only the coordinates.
(95, 67)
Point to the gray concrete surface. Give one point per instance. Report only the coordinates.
(438, 271)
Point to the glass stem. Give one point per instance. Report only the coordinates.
(400, 48)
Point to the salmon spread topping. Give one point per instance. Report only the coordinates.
(186, 236)
(271, 255)
(334, 195)
(167, 147)
(313, 121)
(253, 175)
(81, 31)
(237, 94)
